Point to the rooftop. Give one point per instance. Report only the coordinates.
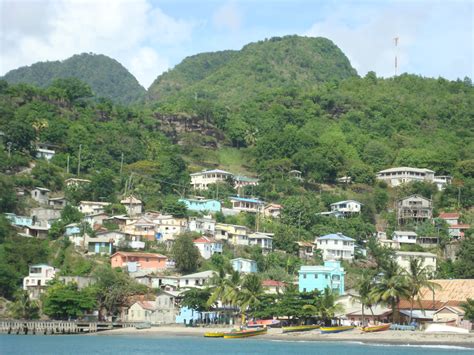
(94, 203)
(208, 273)
(415, 253)
(405, 168)
(337, 236)
(243, 199)
(245, 179)
(272, 283)
(405, 233)
(449, 215)
(131, 200)
(243, 259)
(214, 171)
(346, 201)
(206, 240)
(138, 255)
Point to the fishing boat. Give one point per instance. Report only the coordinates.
(214, 335)
(328, 330)
(245, 333)
(376, 328)
(259, 323)
(300, 328)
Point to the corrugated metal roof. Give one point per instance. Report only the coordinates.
(338, 236)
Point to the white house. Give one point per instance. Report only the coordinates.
(39, 275)
(450, 218)
(205, 225)
(403, 259)
(263, 240)
(272, 210)
(201, 180)
(442, 180)
(243, 204)
(196, 280)
(169, 227)
(43, 153)
(162, 310)
(404, 237)
(40, 195)
(75, 182)
(401, 175)
(346, 207)
(208, 246)
(336, 246)
(92, 207)
(133, 205)
(244, 265)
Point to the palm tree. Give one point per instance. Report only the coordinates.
(391, 287)
(418, 278)
(250, 294)
(364, 288)
(218, 288)
(326, 307)
(24, 307)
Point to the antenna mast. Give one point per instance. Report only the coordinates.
(396, 54)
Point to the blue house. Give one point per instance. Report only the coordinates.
(21, 221)
(201, 205)
(190, 316)
(318, 277)
(72, 229)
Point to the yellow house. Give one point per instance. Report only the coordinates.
(234, 234)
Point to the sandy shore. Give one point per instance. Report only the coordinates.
(387, 337)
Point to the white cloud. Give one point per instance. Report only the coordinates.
(366, 36)
(228, 16)
(121, 29)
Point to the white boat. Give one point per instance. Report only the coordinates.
(443, 328)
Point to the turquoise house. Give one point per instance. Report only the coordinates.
(201, 205)
(190, 316)
(318, 277)
(22, 221)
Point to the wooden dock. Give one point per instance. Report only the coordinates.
(35, 327)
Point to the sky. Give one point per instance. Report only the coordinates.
(436, 38)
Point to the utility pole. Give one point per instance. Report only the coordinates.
(121, 165)
(9, 147)
(67, 165)
(396, 54)
(79, 162)
(459, 197)
(299, 224)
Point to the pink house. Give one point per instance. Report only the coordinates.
(138, 261)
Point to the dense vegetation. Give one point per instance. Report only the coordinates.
(107, 77)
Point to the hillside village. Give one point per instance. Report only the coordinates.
(237, 190)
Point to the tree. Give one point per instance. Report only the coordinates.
(250, 294)
(196, 298)
(65, 301)
(103, 185)
(390, 287)
(8, 199)
(185, 253)
(47, 175)
(326, 307)
(23, 307)
(468, 307)
(174, 207)
(418, 277)
(464, 264)
(364, 287)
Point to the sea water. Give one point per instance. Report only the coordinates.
(118, 345)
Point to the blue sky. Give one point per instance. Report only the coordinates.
(151, 36)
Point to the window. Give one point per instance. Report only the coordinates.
(186, 282)
(147, 259)
(304, 289)
(315, 276)
(304, 276)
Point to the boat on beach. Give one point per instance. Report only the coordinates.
(376, 328)
(300, 328)
(338, 329)
(214, 335)
(245, 333)
(259, 323)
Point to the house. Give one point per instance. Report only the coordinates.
(95, 218)
(442, 180)
(295, 174)
(204, 225)
(336, 246)
(196, 280)
(143, 228)
(75, 182)
(273, 287)
(263, 240)
(57, 202)
(38, 277)
(40, 195)
(81, 281)
(162, 310)
(133, 261)
(243, 204)
(427, 241)
(389, 243)
(92, 207)
(244, 265)
(133, 205)
(44, 216)
(402, 175)
(450, 218)
(449, 314)
(404, 237)
(201, 180)
(36, 231)
(168, 226)
(414, 208)
(119, 220)
(319, 277)
(201, 205)
(235, 234)
(272, 210)
(457, 231)
(346, 207)
(305, 250)
(104, 242)
(208, 246)
(344, 180)
(243, 181)
(403, 259)
(19, 221)
(44, 153)
(353, 314)
(72, 229)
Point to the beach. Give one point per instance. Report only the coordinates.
(387, 337)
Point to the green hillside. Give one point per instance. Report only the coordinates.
(107, 77)
(234, 76)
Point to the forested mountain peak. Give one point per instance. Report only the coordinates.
(106, 76)
(231, 76)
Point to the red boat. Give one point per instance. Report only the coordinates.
(263, 322)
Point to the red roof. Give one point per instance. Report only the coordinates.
(459, 226)
(147, 305)
(205, 240)
(272, 283)
(448, 215)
